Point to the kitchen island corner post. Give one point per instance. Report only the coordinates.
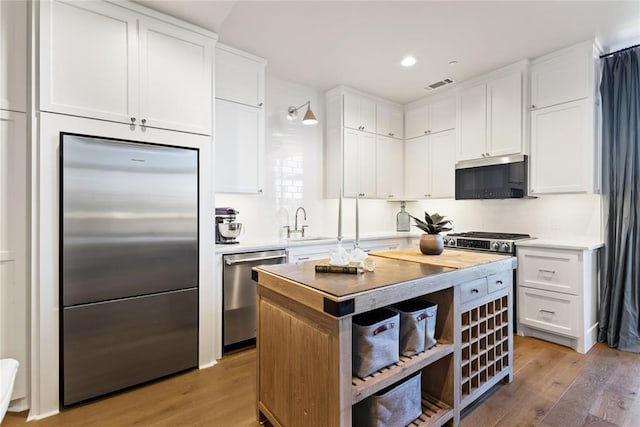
(307, 355)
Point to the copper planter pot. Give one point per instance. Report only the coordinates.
(431, 244)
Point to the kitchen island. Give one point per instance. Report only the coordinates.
(304, 342)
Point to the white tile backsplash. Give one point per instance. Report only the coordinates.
(294, 176)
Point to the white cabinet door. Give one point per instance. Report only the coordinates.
(367, 165)
(561, 79)
(13, 244)
(442, 115)
(350, 176)
(359, 164)
(416, 172)
(561, 148)
(389, 120)
(416, 122)
(389, 166)
(473, 116)
(239, 78)
(175, 78)
(239, 148)
(442, 160)
(13, 55)
(504, 114)
(88, 60)
(359, 112)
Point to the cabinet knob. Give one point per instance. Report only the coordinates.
(143, 121)
(475, 291)
(533, 106)
(426, 132)
(390, 195)
(390, 134)
(260, 104)
(260, 190)
(133, 119)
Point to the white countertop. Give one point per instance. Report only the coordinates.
(284, 244)
(575, 244)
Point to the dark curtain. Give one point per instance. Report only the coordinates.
(620, 274)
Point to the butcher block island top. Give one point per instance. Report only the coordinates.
(304, 335)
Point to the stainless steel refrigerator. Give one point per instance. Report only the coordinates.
(128, 264)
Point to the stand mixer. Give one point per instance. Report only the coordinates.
(227, 229)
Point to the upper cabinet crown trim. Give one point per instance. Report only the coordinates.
(242, 53)
(162, 17)
(521, 66)
(346, 89)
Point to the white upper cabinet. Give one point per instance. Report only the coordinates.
(103, 61)
(13, 55)
(360, 164)
(491, 119)
(176, 82)
(239, 135)
(430, 166)
(239, 76)
(560, 79)
(239, 148)
(359, 112)
(389, 120)
(564, 122)
(435, 116)
(389, 167)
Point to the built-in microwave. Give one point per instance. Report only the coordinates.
(492, 178)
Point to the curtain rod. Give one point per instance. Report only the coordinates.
(618, 51)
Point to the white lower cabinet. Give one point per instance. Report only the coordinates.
(557, 294)
(239, 148)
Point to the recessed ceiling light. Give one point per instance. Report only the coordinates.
(408, 61)
(453, 62)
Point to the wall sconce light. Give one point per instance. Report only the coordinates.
(308, 119)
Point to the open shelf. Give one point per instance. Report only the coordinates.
(435, 413)
(365, 387)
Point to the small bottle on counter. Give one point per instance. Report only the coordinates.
(403, 220)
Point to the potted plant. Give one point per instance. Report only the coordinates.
(431, 242)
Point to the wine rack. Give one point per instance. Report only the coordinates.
(484, 345)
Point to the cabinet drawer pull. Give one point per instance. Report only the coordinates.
(383, 328)
(546, 311)
(422, 317)
(498, 282)
(475, 291)
(304, 258)
(544, 270)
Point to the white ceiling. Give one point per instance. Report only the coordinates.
(360, 44)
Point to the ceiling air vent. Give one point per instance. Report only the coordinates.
(439, 84)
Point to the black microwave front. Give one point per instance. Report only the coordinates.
(492, 178)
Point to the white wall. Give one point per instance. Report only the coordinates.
(295, 153)
(567, 216)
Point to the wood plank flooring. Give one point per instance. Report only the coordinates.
(553, 387)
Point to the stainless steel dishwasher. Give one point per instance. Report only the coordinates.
(239, 295)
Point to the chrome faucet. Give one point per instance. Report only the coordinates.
(296, 220)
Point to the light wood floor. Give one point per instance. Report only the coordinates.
(553, 386)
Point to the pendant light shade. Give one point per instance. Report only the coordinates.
(308, 119)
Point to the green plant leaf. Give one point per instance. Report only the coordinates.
(428, 218)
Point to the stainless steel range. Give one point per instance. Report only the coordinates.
(485, 241)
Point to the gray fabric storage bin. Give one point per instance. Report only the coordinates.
(395, 406)
(417, 325)
(375, 341)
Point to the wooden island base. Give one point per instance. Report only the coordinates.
(304, 340)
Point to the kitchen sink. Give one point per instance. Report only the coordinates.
(309, 238)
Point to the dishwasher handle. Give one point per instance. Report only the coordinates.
(261, 258)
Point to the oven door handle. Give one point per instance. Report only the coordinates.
(262, 258)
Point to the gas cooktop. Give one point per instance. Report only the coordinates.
(484, 241)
